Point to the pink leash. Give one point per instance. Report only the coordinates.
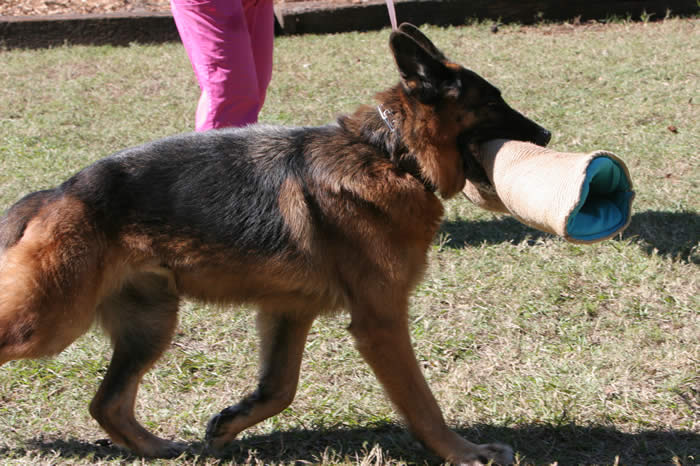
(392, 14)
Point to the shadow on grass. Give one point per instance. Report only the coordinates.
(534, 443)
(671, 234)
(465, 233)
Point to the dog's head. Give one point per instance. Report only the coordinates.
(448, 110)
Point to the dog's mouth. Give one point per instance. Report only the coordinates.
(469, 146)
(473, 170)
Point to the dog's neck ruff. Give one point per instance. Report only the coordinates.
(388, 117)
(397, 146)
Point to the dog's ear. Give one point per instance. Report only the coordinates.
(418, 36)
(423, 75)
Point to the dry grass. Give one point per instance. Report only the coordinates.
(575, 355)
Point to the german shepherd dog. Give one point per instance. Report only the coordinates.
(298, 221)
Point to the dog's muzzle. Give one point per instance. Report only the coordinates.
(543, 138)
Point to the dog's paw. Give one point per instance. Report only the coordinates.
(156, 448)
(495, 453)
(488, 453)
(153, 447)
(170, 449)
(221, 428)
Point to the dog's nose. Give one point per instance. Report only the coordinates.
(544, 137)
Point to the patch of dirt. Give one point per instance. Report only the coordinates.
(73, 7)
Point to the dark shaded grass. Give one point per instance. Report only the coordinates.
(669, 234)
(535, 443)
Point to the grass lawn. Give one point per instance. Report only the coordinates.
(571, 354)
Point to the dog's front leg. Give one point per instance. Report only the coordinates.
(141, 320)
(383, 340)
(282, 339)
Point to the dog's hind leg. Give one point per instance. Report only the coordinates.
(282, 339)
(140, 319)
(382, 335)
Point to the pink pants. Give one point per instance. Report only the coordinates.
(229, 43)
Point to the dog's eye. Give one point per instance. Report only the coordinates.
(493, 103)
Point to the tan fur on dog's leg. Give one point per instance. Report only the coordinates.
(383, 339)
(140, 319)
(282, 339)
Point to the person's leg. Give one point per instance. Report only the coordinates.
(261, 27)
(216, 38)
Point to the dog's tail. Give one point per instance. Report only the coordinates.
(15, 220)
(48, 251)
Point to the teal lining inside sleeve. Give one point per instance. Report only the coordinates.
(604, 205)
